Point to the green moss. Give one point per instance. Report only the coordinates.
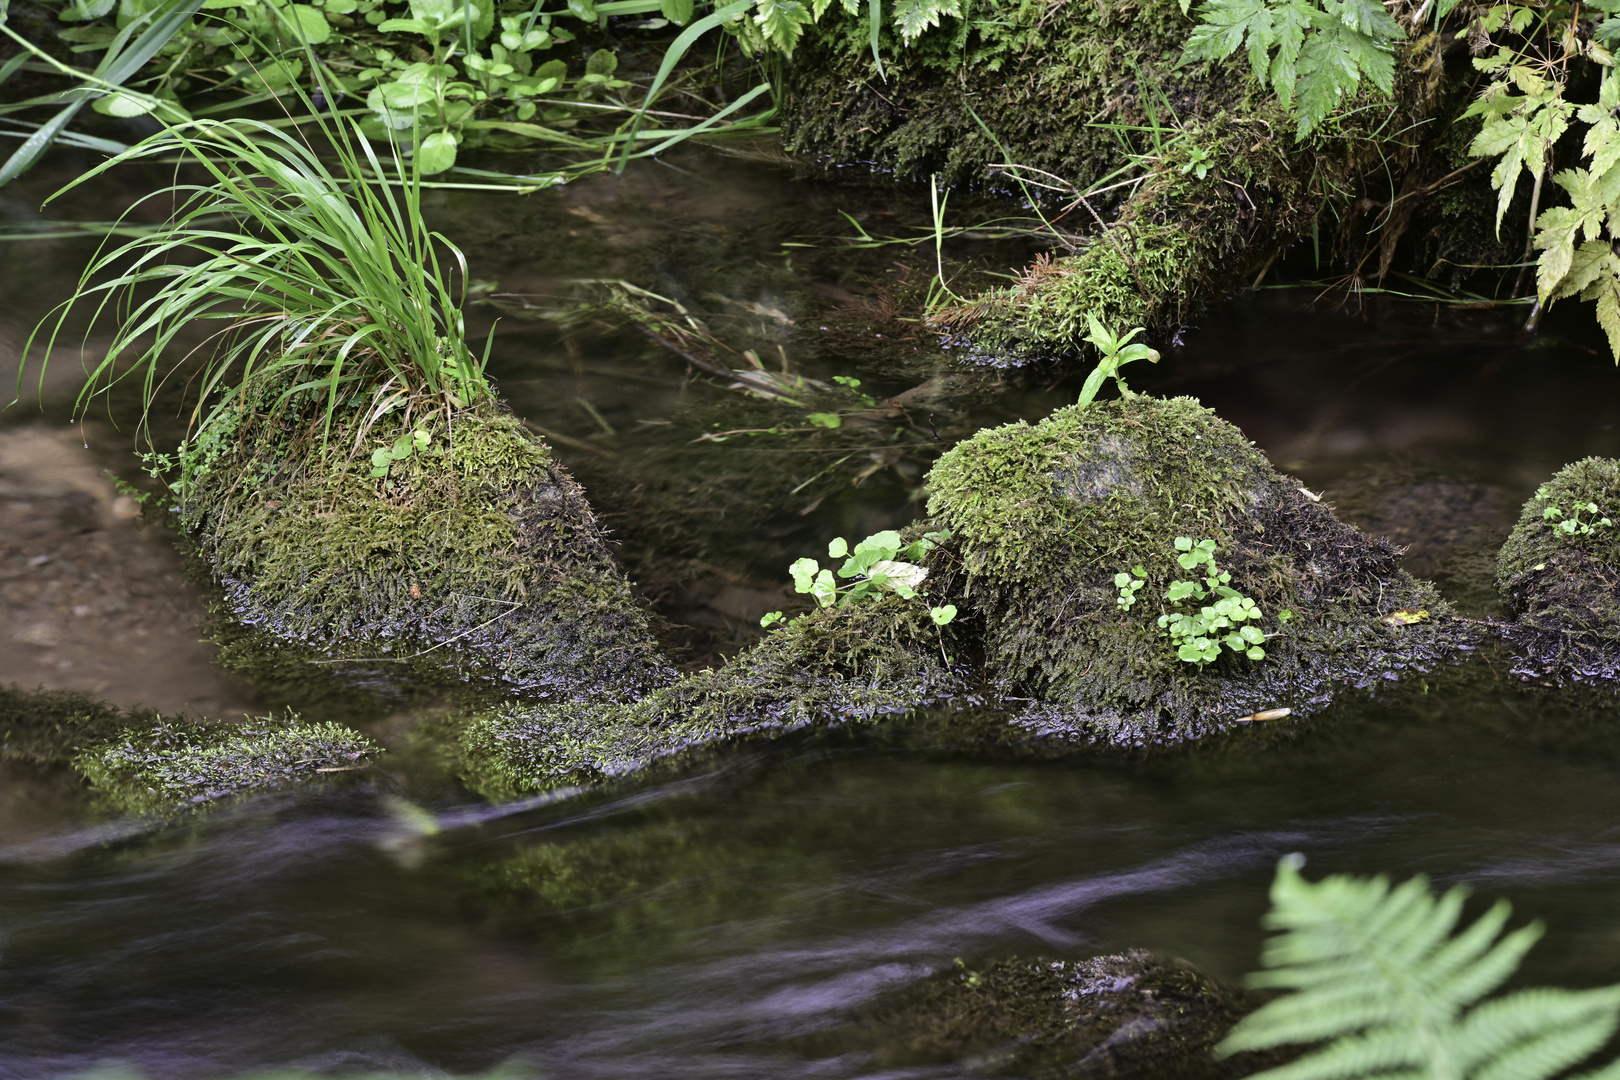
(1126, 1015)
(50, 727)
(141, 762)
(476, 557)
(1046, 515)
(178, 763)
(836, 666)
(1564, 589)
(1041, 79)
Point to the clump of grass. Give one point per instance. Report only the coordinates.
(329, 287)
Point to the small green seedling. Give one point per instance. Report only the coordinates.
(1225, 617)
(1116, 353)
(880, 563)
(415, 441)
(1129, 586)
(1572, 525)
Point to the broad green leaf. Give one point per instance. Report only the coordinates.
(678, 12)
(824, 589)
(804, 572)
(1290, 21)
(437, 153)
(602, 62)
(408, 26)
(1589, 260)
(1366, 17)
(837, 548)
(1327, 71)
(85, 10)
(308, 24)
(123, 105)
(899, 574)
(1607, 287)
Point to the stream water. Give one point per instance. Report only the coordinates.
(724, 923)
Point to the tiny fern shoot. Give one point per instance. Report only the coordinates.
(1381, 981)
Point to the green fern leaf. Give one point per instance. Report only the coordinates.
(1289, 23)
(1381, 978)
(912, 17)
(1224, 24)
(1327, 71)
(781, 22)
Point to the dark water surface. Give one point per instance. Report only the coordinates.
(701, 927)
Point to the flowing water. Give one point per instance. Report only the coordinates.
(725, 923)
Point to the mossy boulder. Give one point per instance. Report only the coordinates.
(462, 551)
(1559, 574)
(1130, 1014)
(1043, 518)
(1046, 516)
(140, 762)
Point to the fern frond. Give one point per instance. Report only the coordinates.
(1379, 975)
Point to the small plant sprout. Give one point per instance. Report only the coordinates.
(1228, 618)
(1572, 525)
(1129, 585)
(1116, 353)
(881, 563)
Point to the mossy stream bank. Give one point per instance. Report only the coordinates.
(1216, 188)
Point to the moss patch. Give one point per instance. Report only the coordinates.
(476, 556)
(837, 666)
(1046, 515)
(1039, 78)
(1564, 588)
(140, 762)
(50, 727)
(1126, 1015)
(178, 764)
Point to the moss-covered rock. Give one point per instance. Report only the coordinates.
(1043, 518)
(175, 764)
(1127, 1015)
(1559, 574)
(140, 762)
(837, 665)
(1046, 515)
(467, 554)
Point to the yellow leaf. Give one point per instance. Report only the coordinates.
(1405, 618)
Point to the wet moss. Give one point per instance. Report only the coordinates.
(141, 762)
(50, 727)
(177, 763)
(836, 666)
(1177, 240)
(1046, 515)
(475, 556)
(1047, 85)
(1564, 588)
(1131, 1014)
